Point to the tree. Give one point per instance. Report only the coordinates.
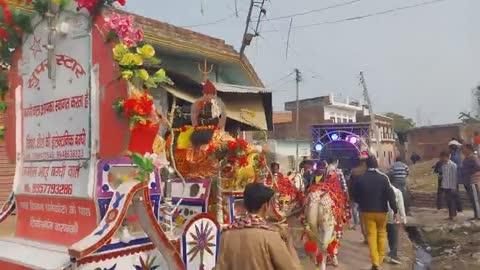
(400, 122)
(467, 117)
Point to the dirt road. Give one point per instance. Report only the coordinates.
(354, 254)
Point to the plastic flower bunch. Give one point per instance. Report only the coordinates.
(93, 5)
(123, 28)
(138, 108)
(132, 54)
(132, 61)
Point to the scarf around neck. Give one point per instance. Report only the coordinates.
(250, 221)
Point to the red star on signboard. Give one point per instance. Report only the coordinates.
(36, 47)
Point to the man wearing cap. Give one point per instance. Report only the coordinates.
(252, 243)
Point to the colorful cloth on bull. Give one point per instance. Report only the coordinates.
(333, 187)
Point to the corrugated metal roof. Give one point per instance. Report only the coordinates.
(232, 88)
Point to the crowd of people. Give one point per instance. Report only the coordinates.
(459, 166)
(377, 207)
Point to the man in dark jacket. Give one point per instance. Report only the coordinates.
(373, 194)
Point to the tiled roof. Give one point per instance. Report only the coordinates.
(182, 39)
(282, 117)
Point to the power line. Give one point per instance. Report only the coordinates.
(281, 79)
(355, 18)
(312, 11)
(230, 16)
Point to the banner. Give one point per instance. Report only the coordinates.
(57, 178)
(54, 219)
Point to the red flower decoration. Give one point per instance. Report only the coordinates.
(142, 106)
(243, 144)
(310, 247)
(243, 161)
(7, 14)
(3, 34)
(89, 5)
(122, 2)
(232, 146)
(319, 257)
(332, 247)
(211, 149)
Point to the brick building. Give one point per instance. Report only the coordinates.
(323, 110)
(429, 141)
(386, 151)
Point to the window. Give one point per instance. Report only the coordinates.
(345, 120)
(384, 154)
(350, 120)
(333, 119)
(339, 120)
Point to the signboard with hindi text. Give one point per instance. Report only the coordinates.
(54, 184)
(56, 110)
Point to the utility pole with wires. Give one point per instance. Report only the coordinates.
(298, 78)
(373, 124)
(248, 37)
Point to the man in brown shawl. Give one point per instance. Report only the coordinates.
(251, 243)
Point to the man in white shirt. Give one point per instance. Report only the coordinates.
(394, 225)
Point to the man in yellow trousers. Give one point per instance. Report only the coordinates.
(373, 193)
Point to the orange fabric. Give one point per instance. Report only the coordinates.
(476, 140)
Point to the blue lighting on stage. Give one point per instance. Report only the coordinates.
(334, 137)
(318, 147)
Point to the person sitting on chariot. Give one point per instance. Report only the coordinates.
(275, 176)
(252, 243)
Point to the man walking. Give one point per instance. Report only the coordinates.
(455, 156)
(393, 227)
(471, 176)
(251, 243)
(449, 183)
(373, 194)
(437, 169)
(399, 173)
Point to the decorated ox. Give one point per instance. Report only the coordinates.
(326, 213)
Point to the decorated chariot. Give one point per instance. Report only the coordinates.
(84, 202)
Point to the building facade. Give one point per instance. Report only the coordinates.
(429, 141)
(325, 110)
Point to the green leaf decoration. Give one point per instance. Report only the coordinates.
(3, 106)
(138, 160)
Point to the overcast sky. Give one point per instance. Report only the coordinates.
(420, 62)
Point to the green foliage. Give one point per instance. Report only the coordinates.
(3, 106)
(145, 166)
(40, 6)
(400, 122)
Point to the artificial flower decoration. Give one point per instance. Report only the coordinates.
(131, 56)
(123, 28)
(94, 5)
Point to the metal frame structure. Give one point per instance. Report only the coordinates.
(324, 134)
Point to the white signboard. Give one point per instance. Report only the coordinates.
(56, 111)
(54, 178)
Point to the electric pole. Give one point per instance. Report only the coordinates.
(298, 78)
(249, 16)
(373, 124)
